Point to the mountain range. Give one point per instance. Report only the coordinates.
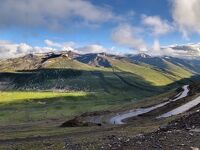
(134, 75)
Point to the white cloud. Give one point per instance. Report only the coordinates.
(65, 46)
(51, 43)
(186, 15)
(157, 25)
(126, 35)
(72, 46)
(10, 50)
(183, 51)
(190, 50)
(93, 48)
(156, 50)
(51, 13)
(156, 47)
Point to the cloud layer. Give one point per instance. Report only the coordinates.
(51, 13)
(157, 25)
(186, 15)
(64, 45)
(9, 50)
(182, 51)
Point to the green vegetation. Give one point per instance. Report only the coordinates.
(49, 116)
(60, 87)
(20, 107)
(20, 96)
(176, 71)
(37, 96)
(151, 75)
(66, 63)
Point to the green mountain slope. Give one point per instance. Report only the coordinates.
(57, 72)
(53, 86)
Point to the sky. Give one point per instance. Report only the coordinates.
(112, 26)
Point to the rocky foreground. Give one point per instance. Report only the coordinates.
(182, 133)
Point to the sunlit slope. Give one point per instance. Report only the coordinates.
(21, 96)
(177, 71)
(62, 73)
(148, 73)
(62, 62)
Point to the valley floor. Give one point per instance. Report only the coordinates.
(141, 132)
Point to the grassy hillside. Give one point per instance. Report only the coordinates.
(67, 74)
(188, 64)
(153, 76)
(177, 71)
(66, 63)
(35, 88)
(174, 70)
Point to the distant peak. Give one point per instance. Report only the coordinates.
(144, 55)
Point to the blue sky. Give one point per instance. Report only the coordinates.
(120, 25)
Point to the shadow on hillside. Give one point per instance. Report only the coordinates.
(69, 79)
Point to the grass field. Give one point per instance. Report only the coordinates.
(17, 96)
(23, 114)
(19, 107)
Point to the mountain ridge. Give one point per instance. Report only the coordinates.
(93, 72)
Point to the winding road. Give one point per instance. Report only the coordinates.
(119, 119)
(133, 113)
(182, 108)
